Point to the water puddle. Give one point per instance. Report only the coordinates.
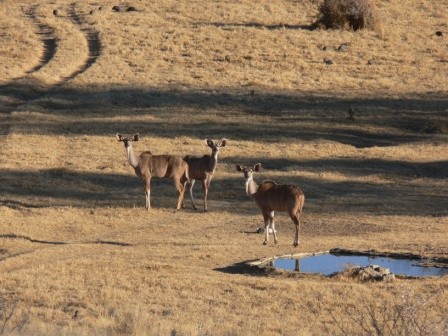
(328, 264)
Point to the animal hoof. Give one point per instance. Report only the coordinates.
(205, 210)
(265, 243)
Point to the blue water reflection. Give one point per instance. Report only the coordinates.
(328, 264)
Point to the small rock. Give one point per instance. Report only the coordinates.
(123, 9)
(261, 230)
(325, 48)
(343, 47)
(439, 33)
(92, 12)
(328, 61)
(388, 277)
(371, 62)
(167, 312)
(227, 58)
(372, 273)
(55, 12)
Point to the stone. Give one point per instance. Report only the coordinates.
(343, 47)
(372, 273)
(123, 8)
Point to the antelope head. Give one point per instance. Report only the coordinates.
(127, 141)
(251, 185)
(247, 171)
(215, 146)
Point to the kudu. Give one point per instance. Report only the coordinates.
(147, 165)
(203, 168)
(271, 197)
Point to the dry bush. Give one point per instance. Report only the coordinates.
(412, 314)
(349, 14)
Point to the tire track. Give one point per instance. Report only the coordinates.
(48, 39)
(23, 90)
(92, 37)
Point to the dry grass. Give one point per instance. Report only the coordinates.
(80, 256)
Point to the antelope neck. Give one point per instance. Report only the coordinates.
(132, 157)
(213, 160)
(251, 186)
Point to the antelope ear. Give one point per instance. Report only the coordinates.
(209, 142)
(257, 167)
(119, 137)
(222, 142)
(239, 168)
(135, 137)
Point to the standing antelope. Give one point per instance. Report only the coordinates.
(147, 165)
(270, 196)
(203, 168)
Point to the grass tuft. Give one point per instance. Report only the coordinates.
(349, 14)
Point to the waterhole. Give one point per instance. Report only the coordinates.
(331, 263)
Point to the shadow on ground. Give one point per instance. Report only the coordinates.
(270, 116)
(62, 187)
(242, 267)
(389, 169)
(238, 114)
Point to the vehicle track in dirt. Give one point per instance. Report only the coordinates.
(92, 37)
(24, 90)
(47, 37)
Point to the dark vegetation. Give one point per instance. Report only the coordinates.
(349, 14)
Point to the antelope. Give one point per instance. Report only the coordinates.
(203, 168)
(147, 165)
(270, 196)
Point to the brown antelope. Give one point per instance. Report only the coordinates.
(147, 165)
(270, 196)
(203, 168)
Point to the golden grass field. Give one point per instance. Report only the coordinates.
(79, 255)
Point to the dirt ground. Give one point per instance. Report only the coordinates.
(365, 138)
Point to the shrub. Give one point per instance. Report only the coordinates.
(349, 14)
